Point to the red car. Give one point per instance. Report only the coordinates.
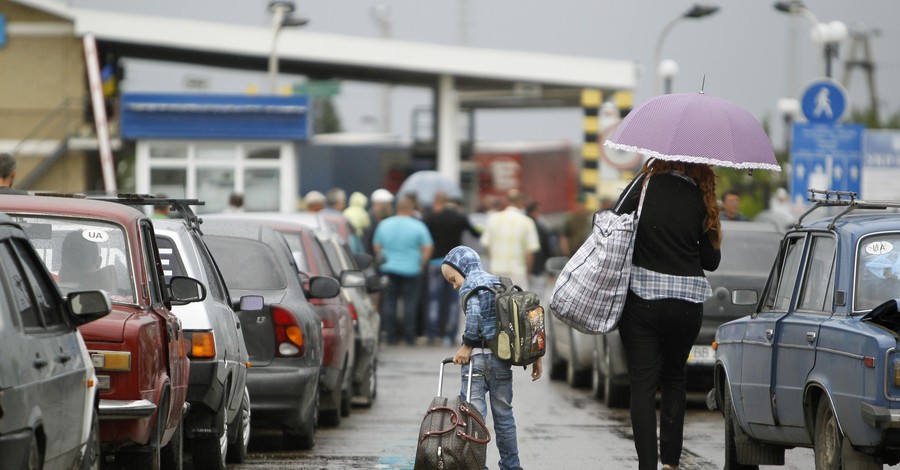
(138, 350)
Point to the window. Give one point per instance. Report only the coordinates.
(783, 278)
(170, 258)
(19, 290)
(149, 253)
(877, 271)
(817, 292)
(247, 264)
(215, 287)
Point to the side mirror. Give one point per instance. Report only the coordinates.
(744, 297)
(184, 290)
(251, 303)
(323, 287)
(90, 305)
(353, 278)
(555, 265)
(363, 260)
(376, 283)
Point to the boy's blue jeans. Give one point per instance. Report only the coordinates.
(491, 375)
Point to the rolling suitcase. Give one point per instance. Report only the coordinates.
(453, 434)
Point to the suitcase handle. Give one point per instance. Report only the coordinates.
(440, 389)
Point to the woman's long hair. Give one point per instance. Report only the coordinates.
(705, 179)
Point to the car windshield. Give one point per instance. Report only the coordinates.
(748, 251)
(877, 270)
(83, 254)
(246, 264)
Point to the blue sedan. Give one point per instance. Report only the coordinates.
(816, 365)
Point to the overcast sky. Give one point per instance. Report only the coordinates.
(745, 50)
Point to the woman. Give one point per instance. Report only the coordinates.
(678, 236)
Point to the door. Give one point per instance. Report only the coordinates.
(54, 366)
(797, 334)
(756, 362)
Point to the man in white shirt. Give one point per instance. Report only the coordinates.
(511, 239)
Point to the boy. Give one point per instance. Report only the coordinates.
(463, 269)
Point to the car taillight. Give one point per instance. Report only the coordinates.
(203, 344)
(288, 334)
(111, 361)
(353, 311)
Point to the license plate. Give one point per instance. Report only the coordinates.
(702, 355)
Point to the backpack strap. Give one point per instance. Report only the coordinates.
(477, 289)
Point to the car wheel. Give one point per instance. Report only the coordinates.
(147, 460)
(91, 459)
(827, 438)
(304, 437)
(237, 451)
(732, 433)
(209, 451)
(615, 394)
(35, 454)
(172, 455)
(557, 364)
(597, 376)
(347, 396)
(574, 377)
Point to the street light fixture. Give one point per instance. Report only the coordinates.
(696, 11)
(829, 35)
(667, 70)
(281, 17)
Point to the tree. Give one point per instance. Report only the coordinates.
(325, 116)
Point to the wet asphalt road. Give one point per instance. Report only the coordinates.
(559, 427)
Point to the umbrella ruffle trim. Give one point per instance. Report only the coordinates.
(693, 159)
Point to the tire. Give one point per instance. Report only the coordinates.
(827, 439)
(574, 377)
(557, 365)
(147, 460)
(209, 452)
(91, 459)
(237, 450)
(732, 431)
(614, 394)
(35, 454)
(597, 377)
(172, 455)
(346, 398)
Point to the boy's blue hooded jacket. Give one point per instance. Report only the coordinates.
(480, 311)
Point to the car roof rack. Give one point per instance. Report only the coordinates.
(182, 206)
(847, 199)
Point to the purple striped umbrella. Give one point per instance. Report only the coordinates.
(695, 128)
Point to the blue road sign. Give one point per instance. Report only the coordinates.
(825, 156)
(825, 101)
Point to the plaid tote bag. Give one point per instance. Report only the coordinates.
(590, 292)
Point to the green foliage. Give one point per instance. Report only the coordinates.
(325, 116)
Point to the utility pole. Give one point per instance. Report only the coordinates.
(860, 41)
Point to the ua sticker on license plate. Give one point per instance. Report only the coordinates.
(702, 355)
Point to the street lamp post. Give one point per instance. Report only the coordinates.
(789, 109)
(281, 17)
(696, 11)
(829, 35)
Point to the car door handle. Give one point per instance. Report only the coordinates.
(63, 358)
(811, 336)
(39, 363)
(770, 333)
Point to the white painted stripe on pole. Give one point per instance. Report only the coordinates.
(92, 64)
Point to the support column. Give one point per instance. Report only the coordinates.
(448, 132)
(590, 150)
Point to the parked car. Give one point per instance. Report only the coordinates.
(356, 287)
(218, 425)
(336, 376)
(817, 364)
(282, 332)
(139, 349)
(570, 352)
(748, 251)
(48, 388)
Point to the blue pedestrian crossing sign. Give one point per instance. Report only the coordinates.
(825, 102)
